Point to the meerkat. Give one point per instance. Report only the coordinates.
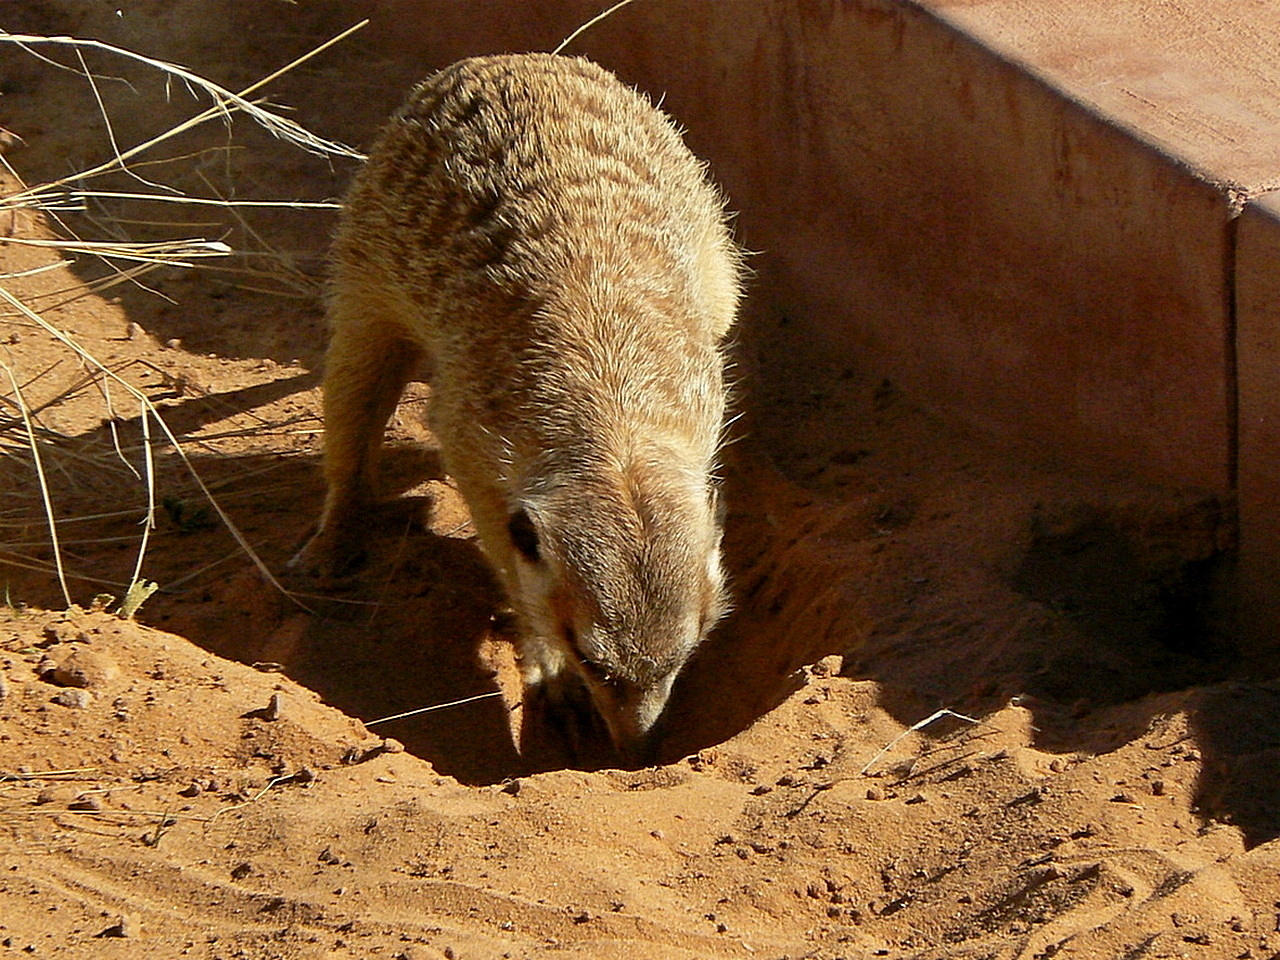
(539, 232)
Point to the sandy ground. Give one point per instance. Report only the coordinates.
(208, 780)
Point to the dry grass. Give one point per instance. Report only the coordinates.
(52, 460)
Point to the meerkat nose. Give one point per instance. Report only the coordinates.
(637, 712)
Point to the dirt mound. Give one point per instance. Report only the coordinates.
(1112, 792)
(165, 802)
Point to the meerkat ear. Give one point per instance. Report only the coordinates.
(524, 537)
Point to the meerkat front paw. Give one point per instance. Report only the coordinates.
(559, 708)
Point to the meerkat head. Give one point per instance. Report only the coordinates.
(619, 581)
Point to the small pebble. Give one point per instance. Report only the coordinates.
(65, 631)
(84, 668)
(352, 755)
(328, 856)
(829, 666)
(126, 926)
(72, 697)
(4, 687)
(875, 793)
(58, 794)
(85, 802)
(1157, 788)
(134, 331)
(272, 711)
(419, 952)
(512, 786)
(173, 344)
(190, 790)
(391, 745)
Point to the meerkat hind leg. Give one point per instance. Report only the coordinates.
(366, 369)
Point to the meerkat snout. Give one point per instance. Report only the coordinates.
(618, 590)
(540, 232)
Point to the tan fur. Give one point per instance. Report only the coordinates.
(541, 233)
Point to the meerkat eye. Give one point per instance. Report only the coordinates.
(598, 673)
(523, 535)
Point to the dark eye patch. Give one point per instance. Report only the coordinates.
(598, 673)
(595, 671)
(523, 535)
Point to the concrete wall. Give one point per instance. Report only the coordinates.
(1258, 333)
